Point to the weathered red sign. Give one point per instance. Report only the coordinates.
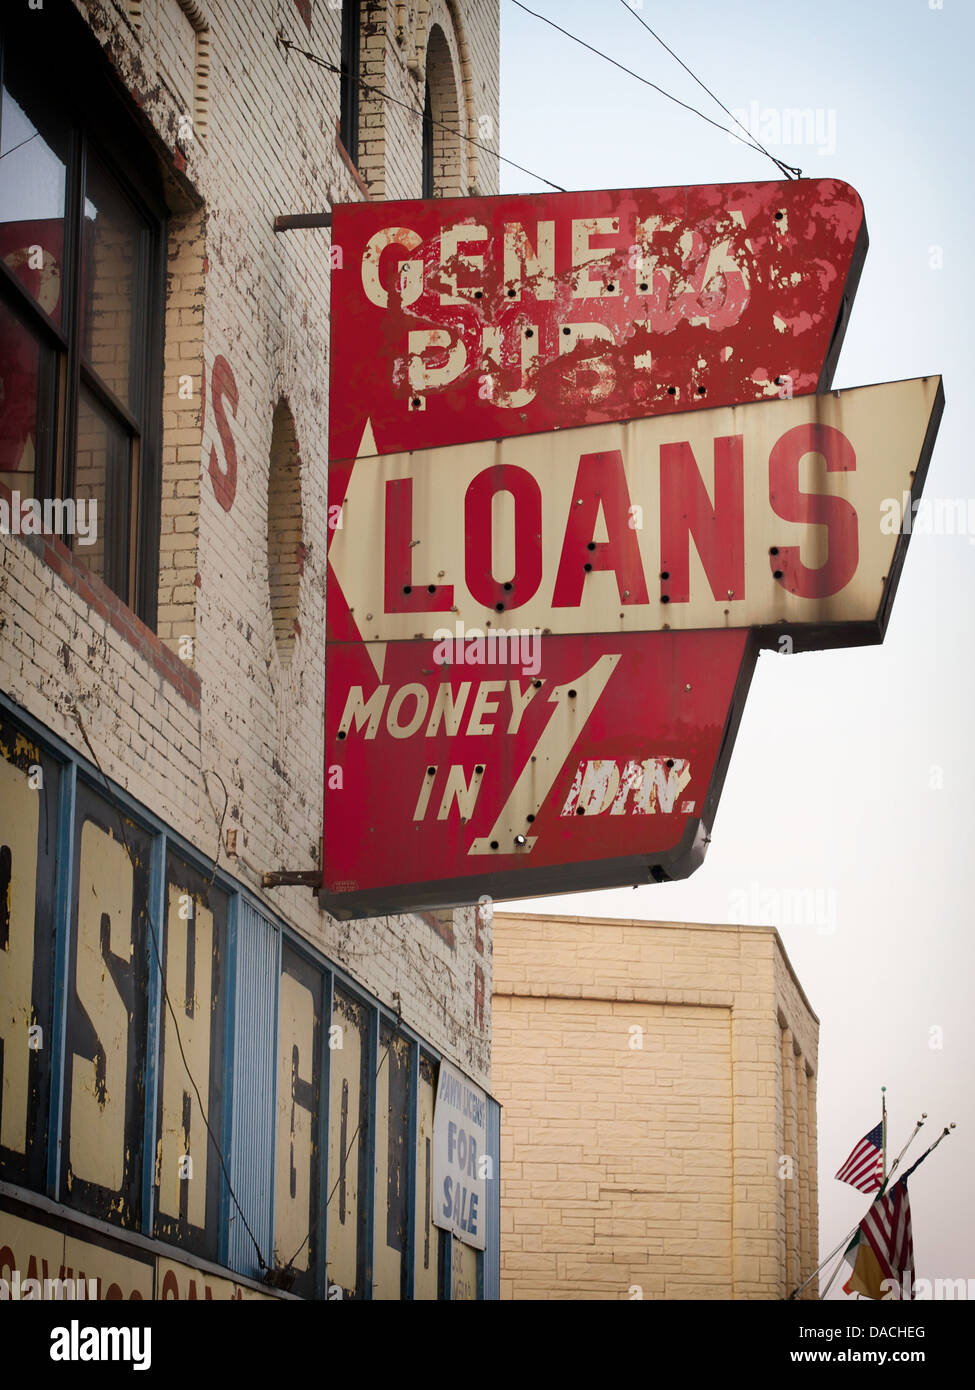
(478, 318)
(552, 710)
(457, 763)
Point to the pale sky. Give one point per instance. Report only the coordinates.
(852, 776)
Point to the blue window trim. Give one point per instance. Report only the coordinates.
(229, 1042)
(64, 858)
(166, 841)
(157, 907)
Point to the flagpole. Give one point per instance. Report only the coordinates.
(930, 1150)
(839, 1266)
(844, 1244)
(823, 1263)
(917, 1128)
(883, 1102)
(846, 1241)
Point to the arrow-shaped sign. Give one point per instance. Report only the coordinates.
(539, 648)
(778, 514)
(563, 626)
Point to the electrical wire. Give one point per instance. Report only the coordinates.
(262, 1263)
(414, 111)
(13, 148)
(750, 143)
(785, 168)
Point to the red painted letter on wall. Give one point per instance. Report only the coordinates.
(224, 480)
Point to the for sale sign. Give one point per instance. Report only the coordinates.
(460, 1158)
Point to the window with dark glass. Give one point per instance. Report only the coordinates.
(348, 82)
(427, 185)
(82, 275)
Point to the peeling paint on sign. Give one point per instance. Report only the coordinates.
(463, 319)
(494, 363)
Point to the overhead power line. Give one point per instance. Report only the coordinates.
(786, 168)
(751, 143)
(414, 111)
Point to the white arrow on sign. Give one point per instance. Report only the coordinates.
(782, 511)
(547, 758)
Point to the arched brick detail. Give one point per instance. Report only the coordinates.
(285, 541)
(445, 15)
(467, 86)
(448, 158)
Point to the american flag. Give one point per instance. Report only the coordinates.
(887, 1229)
(864, 1168)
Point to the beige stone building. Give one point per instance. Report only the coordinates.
(164, 353)
(658, 1092)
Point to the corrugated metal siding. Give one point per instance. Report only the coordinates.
(492, 1251)
(252, 1143)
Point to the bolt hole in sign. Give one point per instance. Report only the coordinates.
(584, 464)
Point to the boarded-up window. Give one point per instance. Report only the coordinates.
(187, 1173)
(392, 1163)
(350, 1087)
(28, 836)
(105, 1053)
(426, 1268)
(298, 1219)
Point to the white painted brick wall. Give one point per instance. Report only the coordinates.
(270, 148)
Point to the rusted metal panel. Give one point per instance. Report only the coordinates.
(105, 1053)
(392, 1164)
(29, 790)
(462, 319)
(350, 1108)
(187, 1167)
(217, 950)
(252, 1140)
(299, 1222)
(426, 1244)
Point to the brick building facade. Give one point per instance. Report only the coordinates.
(164, 351)
(659, 1090)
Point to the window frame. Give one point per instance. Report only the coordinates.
(350, 57)
(427, 182)
(97, 121)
